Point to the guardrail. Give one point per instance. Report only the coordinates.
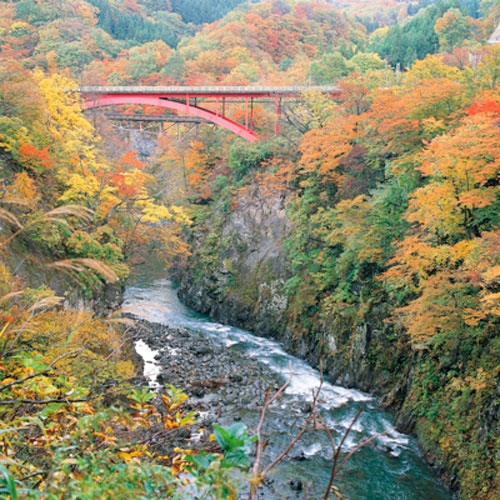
(210, 90)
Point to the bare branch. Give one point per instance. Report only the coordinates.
(39, 473)
(267, 402)
(361, 445)
(337, 454)
(283, 387)
(326, 429)
(354, 420)
(255, 469)
(299, 435)
(336, 470)
(86, 399)
(43, 402)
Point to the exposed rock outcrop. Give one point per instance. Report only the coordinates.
(238, 274)
(246, 283)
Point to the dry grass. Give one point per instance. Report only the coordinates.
(83, 265)
(10, 218)
(55, 215)
(45, 303)
(78, 211)
(11, 295)
(15, 201)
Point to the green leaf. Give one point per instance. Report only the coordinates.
(141, 396)
(7, 483)
(237, 430)
(222, 436)
(202, 461)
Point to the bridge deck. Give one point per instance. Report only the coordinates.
(219, 91)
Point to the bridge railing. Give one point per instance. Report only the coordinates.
(243, 91)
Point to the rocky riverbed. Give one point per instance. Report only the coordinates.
(219, 389)
(225, 371)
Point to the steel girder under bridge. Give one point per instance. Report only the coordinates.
(190, 100)
(146, 120)
(163, 118)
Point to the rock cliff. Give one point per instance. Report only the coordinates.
(238, 274)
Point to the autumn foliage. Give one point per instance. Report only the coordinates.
(393, 199)
(391, 194)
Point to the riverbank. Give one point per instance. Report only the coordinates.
(225, 371)
(219, 390)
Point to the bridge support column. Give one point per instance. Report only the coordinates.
(251, 114)
(277, 110)
(246, 113)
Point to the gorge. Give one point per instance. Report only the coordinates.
(320, 180)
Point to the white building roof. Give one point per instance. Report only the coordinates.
(495, 37)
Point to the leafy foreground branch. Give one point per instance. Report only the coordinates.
(74, 425)
(131, 447)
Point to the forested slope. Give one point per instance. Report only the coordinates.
(74, 218)
(366, 235)
(391, 257)
(387, 266)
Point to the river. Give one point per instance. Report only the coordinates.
(391, 467)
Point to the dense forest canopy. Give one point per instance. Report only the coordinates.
(203, 11)
(392, 194)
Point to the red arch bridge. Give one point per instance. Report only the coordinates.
(193, 101)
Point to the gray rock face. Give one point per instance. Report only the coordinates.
(495, 37)
(247, 286)
(260, 225)
(243, 284)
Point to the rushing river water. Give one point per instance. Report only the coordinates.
(389, 468)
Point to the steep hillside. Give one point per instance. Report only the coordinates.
(371, 242)
(366, 235)
(203, 11)
(446, 27)
(137, 23)
(58, 34)
(265, 44)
